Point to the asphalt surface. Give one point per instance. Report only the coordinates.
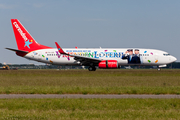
(108, 96)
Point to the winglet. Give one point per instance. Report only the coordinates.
(60, 49)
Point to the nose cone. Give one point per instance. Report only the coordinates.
(173, 59)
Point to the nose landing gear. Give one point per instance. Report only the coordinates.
(158, 69)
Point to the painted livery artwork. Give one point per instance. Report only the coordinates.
(132, 57)
(103, 58)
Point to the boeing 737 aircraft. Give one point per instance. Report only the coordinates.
(105, 58)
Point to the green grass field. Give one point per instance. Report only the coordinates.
(85, 82)
(90, 109)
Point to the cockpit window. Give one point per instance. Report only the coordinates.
(166, 54)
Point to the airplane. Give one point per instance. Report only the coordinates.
(103, 58)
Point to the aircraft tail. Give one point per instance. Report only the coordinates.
(24, 40)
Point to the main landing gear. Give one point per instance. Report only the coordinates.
(92, 68)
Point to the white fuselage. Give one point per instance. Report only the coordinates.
(150, 57)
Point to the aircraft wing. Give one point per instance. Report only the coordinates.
(83, 60)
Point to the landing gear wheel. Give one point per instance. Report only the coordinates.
(158, 69)
(92, 68)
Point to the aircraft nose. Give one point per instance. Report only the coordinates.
(173, 58)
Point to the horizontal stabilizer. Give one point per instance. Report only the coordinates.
(15, 50)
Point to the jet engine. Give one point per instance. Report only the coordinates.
(108, 64)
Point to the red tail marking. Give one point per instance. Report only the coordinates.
(23, 39)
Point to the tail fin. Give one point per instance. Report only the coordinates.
(23, 39)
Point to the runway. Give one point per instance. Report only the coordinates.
(107, 96)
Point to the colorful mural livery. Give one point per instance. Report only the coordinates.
(103, 58)
(132, 56)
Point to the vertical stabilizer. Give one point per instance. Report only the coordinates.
(24, 40)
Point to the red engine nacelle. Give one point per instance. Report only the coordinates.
(108, 64)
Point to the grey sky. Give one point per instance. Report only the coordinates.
(92, 23)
